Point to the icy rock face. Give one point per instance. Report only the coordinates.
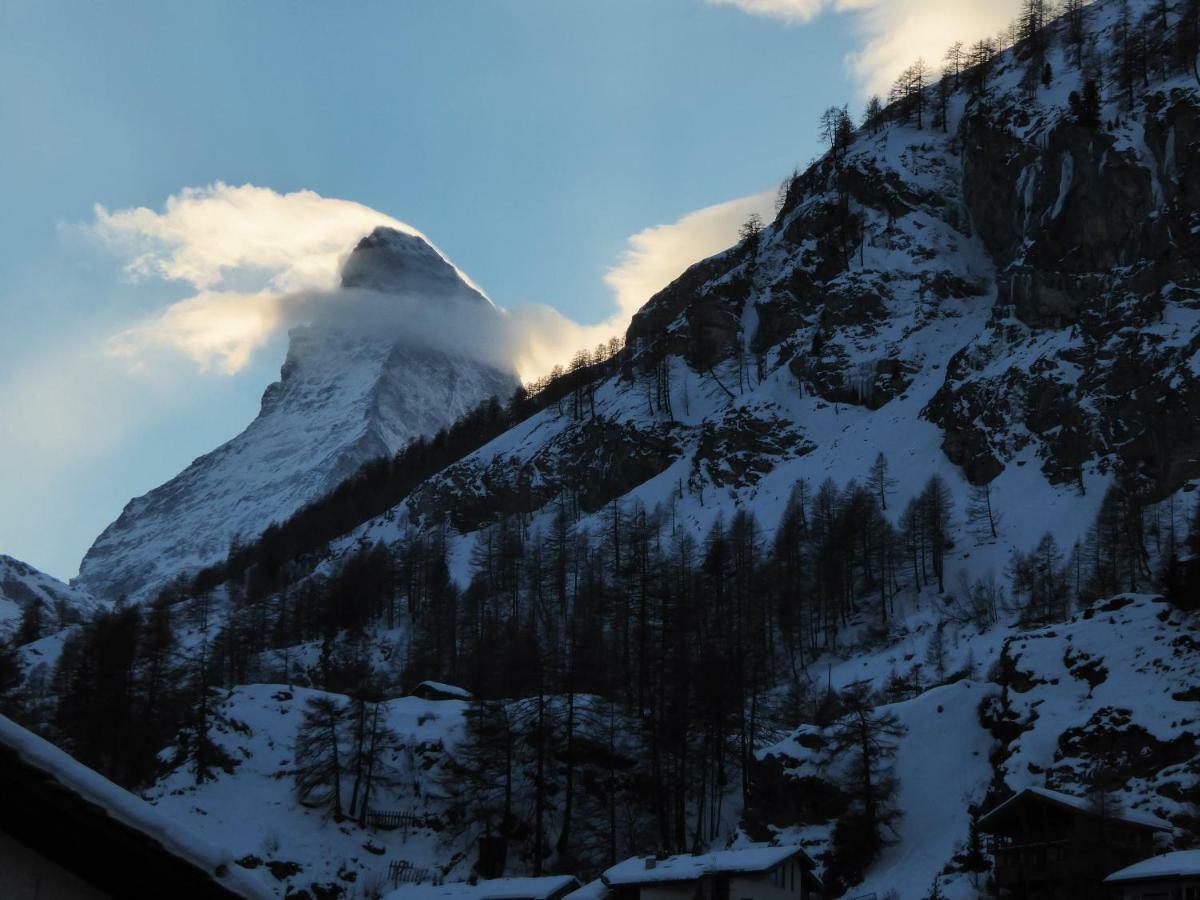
(348, 393)
(22, 584)
(1096, 294)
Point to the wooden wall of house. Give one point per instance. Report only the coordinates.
(27, 875)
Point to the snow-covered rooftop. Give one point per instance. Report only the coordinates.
(1081, 804)
(691, 867)
(1180, 863)
(492, 889)
(132, 811)
(450, 690)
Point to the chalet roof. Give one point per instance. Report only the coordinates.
(1180, 864)
(1071, 803)
(82, 821)
(692, 867)
(490, 889)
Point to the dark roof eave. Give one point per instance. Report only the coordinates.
(1010, 805)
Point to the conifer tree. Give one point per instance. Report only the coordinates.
(866, 740)
(319, 755)
(880, 481)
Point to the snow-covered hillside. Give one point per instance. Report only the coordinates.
(1025, 708)
(22, 584)
(358, 384)
(1009, 301)
(1001, 299)
(252, 813)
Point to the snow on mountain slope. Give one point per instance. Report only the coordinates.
(21, 583)
(361, 382)
(942, 766)
(1118, 686)
(253, 812)
(1112, 687)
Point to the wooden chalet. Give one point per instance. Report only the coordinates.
(68, 833)
(1054, 846)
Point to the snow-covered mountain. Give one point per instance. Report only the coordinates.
(22, 584)
(359, 383)
(1009, 300)
(1000, 288)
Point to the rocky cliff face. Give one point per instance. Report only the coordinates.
(1097, 261)
(358, 384)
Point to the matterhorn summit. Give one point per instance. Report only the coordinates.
(393, 355)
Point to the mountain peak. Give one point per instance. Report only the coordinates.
(395, 261)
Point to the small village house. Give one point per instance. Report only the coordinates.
(1172, 876)
(1055, 846)
(752, 873)
(436, 690)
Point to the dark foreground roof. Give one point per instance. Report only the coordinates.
(101, 833)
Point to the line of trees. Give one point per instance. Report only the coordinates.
(1163, 42)
(649, 664)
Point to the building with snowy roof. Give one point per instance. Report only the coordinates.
(761, 872)
(1049, 844)
(436, 690)
(547, 887)
(67, 832)
(1171, 876)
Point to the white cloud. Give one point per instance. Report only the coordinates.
(219, 234)
(217, 329)
(894, 32)
(897, 32)
(798, 11)
(654, 257)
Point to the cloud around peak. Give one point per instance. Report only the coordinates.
(259, 262)
(249, 253)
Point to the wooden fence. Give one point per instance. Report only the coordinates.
(390, 821)
(401, 871)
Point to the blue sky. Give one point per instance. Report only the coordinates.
(530, 139)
